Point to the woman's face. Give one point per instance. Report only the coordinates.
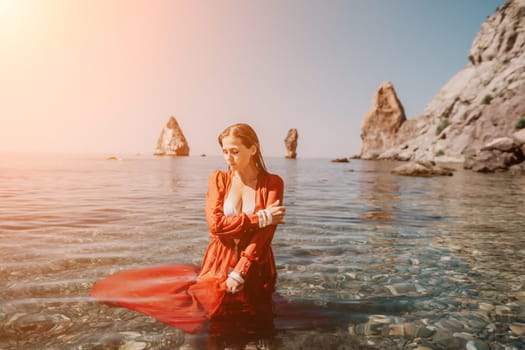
(236, 154)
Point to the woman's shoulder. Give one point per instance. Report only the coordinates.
(274, 179)
(219, 177)
(218, 173)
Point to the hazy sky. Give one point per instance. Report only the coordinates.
(104, 76)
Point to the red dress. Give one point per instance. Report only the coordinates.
(186, 296)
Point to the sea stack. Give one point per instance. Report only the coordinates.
(291, 143)
(172, 141)
(381, 122)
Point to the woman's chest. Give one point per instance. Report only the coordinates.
(242, 198)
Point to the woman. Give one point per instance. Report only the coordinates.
(234, 285)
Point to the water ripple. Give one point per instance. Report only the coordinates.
(358, 241)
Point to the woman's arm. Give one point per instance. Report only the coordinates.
(218, 223)
(262, 238)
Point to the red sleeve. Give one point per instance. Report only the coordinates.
(262, 238)
(218, 223)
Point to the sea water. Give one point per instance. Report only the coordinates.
(380, 256)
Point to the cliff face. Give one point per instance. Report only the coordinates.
(481, 102)
(171, 141)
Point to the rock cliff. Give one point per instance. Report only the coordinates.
(171, 141)
(379, 130)
(482, 102)
(290, 142)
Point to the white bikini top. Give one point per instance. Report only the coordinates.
(229, 207)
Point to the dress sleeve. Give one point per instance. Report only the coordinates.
(262, 238)
(218, 223)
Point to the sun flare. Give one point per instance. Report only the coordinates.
(7, 6)
(8, 9)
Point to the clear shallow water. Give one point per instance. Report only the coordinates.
(358, 242)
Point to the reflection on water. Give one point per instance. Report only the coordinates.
(366, 257)
(379, 193)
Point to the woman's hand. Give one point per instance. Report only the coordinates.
(233, 286)
(277, 211)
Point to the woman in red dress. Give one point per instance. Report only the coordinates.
(232, 290)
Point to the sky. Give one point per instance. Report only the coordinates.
(104, 76)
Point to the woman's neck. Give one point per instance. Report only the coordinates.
(247, 175)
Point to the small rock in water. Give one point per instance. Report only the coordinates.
(396, 330)
(503, 310)
(424, 347)
(463, 335)
(352, 275)
(251, 346)
(420, 289)
(425, 332)
(451, 324)
(486, 306)
(133, 345)
(477, 345)
(131, 334)
(517, 328)
(392, 290)
(476, 323)
(379, 319)
(111, 341)
(491, 328)
(400, 288)
(476, 252)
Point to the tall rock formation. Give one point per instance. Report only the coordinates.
(171, 141)
(480, 103)
(382, 122)
(290, 143)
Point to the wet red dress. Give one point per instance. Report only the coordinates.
(187, 296)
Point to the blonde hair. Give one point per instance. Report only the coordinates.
(248, 138)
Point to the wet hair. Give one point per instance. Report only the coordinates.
(248, 138)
